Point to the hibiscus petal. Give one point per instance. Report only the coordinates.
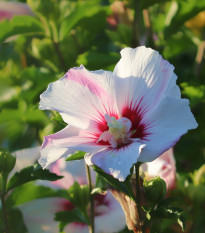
(116, 162)
(104, 222)
(26, 157)
(66, 142)
(143, 78)
(81, 97)
(171, 119)
(164, 167)
(39, 214)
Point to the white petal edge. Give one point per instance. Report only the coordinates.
(144, 77)
(81, 96)
(171, 119)
(116, 162)
(26, 157)
(114, 220)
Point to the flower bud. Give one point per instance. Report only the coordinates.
(155, 189)
(7, 162)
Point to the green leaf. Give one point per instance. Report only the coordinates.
(198, 176)
(30, 191)
(100, 186)
(168, 212)
(96, 60)
(185, 10)
(66, 217)
(19, 25)
(147, 3)
(79, 195)
(122, 36)
(7, 162)
(16, 222)
(42, 50)
(121, 186)
(48, 8)
(81, 11)
(180, 42)
(77, 156)
(31, 173)
(194, 93)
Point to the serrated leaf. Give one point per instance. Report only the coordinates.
(121, 186)
(66, 217)
(30, 191)
(31, 173)
(19, 25)
(77, 156)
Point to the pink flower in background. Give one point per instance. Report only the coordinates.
(134, 114)
(39, 214)
(120, 14)
(164, 167)
(9, 9)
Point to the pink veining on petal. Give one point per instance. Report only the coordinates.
(83, 77)
(87, 79)
(84, 136)
(135, 113)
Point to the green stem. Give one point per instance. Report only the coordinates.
(3, 193)
(60, 56)
(138, 197)
(5, 214)
(3, 202)
(92, 223)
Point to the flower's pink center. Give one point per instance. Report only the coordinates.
(119, 132)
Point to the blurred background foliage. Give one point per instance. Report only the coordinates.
(39, 45)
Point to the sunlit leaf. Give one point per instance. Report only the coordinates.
(18, 25)
(147, 3)
(97, 60)
(185, 10)
(82, 10)
(77, 156)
